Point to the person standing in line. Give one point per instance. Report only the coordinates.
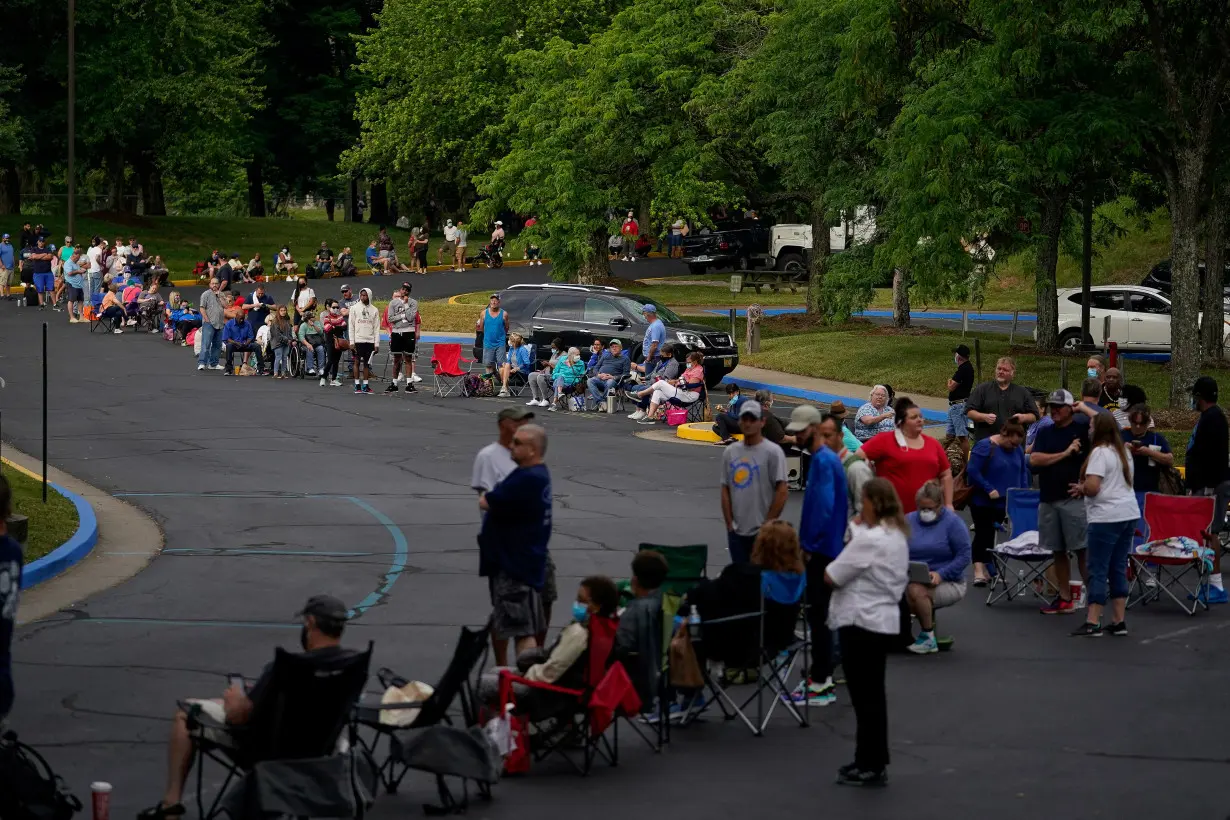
(494, 324)
(959, 388)
(655, 337)
(1112, 512)
(1207, 473)
(449, 244)
(630, 230)
(365, 338)
(1057, 456)
(993, 403)
(858, 471)
(996, 465)
(513, 544)
(40, 260)
(213, 319)
(1149, 449)
(461, 236)
(334, 324)
(868, 579)
(403, 311)
(753, 483)
(74, 278)
(1118, 397)
(8, 263)
(822, 531)
(11, 557)
(94, 272)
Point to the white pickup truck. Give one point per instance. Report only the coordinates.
(790, 245)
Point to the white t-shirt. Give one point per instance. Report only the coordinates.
(305, 298)
(450, 233)
(1115, 501)
(94, 254)
(491, 466)
(869, 579)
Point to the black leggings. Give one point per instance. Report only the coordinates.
(985, 519)
(863, 657)
(335, 356)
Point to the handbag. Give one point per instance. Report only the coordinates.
(676, 416)
(340, 344)
(685, 669)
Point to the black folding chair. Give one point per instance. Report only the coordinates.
(457, 682)
(300, 714)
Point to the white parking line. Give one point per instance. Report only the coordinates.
(1186, 631)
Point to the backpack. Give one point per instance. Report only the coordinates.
(476, 386)
(29, 789)
(1169, 482)
(31, 296)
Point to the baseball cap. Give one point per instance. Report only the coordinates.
(494, 296)
(345, 287)
(324, 606)
(498, 222)
(1060, 397)
(648, 308)
(802, 417)
(962, 351)
(749, 408)
(617, 342)
(6, 236)
(406, 285)
(514, 414)
(1205, 387)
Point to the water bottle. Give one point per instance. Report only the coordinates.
(694, 620)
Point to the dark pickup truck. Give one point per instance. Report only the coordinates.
(737, 246)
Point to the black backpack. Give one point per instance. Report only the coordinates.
(29, 789)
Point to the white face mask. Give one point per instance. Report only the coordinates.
(928, 516)
(956, 359)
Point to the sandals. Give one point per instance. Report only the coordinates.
(161, 812)
(981, 582)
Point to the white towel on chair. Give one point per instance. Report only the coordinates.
(1024, 544)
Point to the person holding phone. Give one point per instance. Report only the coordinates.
(1149, 450)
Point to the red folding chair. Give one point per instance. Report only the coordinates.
(583, 716)
(449, 367)
(1165, 561)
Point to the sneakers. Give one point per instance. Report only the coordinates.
(200, 367)
(335, 383)
(1210, 594)
(216, 367)
(503, 394)
(1058, 607)
(415, 377)
(392, 388)
(409, 388)
(323, 381)
(367, 389)
(311, 371)
(1087, 630)
(638, 415)
(647, 420)
(852, 775)
(812, 694)
(532, 403)
(358, 391)
(1119, 629)
(924, 644)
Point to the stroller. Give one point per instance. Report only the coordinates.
(490, 255)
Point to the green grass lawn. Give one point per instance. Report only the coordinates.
(51, 524)
(182, 241)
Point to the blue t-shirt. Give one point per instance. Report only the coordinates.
(6, 254)
(256, 316)
(656, 332)
(517, 527)
(238, 332)
(372, 255)
(494, 335)
(73, 274)
(10, 584)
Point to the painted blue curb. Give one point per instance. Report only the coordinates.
(816, 395)
(71, 551)
(915, 314)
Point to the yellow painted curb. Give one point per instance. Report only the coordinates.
(700, 431)
(21, 469)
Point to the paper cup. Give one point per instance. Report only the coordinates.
(100, 793)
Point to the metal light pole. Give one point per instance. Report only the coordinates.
(72, 119)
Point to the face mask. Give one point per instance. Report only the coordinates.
(303, 633)
(956, 359)
(1092, 372)
(927, 516)
(1192, 403)
(580, 612)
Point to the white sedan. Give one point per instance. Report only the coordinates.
(1139, 318)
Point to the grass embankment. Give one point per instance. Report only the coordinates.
(51, 524)
(182, 241)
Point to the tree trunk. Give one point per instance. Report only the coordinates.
(1183, 183)
(10, 190)
(330, 204)
(901, 297)
(157, 197)
(380, 203)
(1053, 207)
(596, 265)
(1211, 340)
(256, 189)
(818, 266)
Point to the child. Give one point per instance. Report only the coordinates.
(638, 641)
(262, 336)
(281, 333)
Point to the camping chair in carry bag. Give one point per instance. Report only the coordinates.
(450, 368)
(296, 723)
(1178, 531)
(1021, 549)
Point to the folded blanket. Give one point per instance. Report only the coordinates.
(1180, 547)
(1024, 544)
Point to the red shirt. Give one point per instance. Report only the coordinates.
(907, 470)
(631, 228)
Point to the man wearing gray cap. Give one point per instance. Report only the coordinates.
(753, 483)
(655, 336)
(1058, 454)
(323, 621)
(613, 365)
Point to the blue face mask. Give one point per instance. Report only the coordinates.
(580, 612)
(1092, 372)
(1192, 403)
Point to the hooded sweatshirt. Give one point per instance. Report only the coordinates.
(365, 321)
(401, 315)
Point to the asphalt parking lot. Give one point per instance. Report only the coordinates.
(271, 491)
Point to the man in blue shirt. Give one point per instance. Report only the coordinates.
(10, 585)
(8, 263)
(238, 337)
(822, 532)
(258, 307)
(513, 544)
(612, 366)
(655, 335)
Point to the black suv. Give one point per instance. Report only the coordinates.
(578, 314)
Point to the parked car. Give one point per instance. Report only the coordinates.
(1159, 279)
(734, 245)
(578, 314)
(1139, 318)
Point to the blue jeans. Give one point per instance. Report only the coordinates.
(739, 547)
(211, 345)
(1107, 556)
(316, 355)
(598, 388)
(280, 364)
(957, 425)
(561, 385)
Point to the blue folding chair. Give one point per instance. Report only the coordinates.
(779, 648)
(1017, 571)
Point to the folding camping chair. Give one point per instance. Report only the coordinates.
(1178, 530)
(776, 652)
(450, 368)
(697, 410)
(1019, 548)
(568, 719)
(456, 683)
(96, 318)
(518, 381)
(299, 716)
